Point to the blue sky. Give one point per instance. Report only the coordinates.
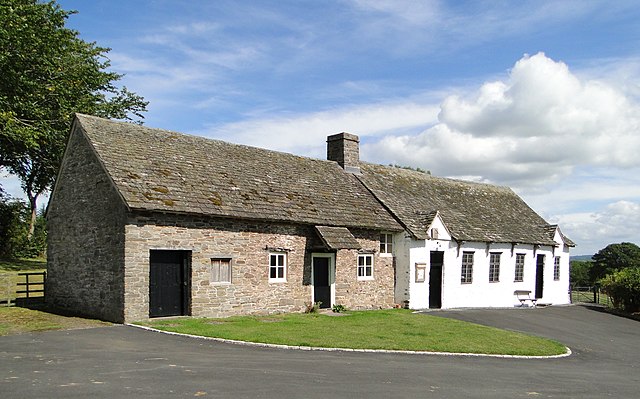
(542, 96)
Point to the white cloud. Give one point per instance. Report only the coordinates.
(306, 134)
(439, 26)
(529, 129)
(616, 222)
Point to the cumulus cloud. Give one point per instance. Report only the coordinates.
(531, 128)
(306, 134)
(616, 222)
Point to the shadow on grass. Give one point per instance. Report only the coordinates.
(22, 265)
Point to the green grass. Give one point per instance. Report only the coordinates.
(23, 265)
(9, 278)
(14, 320)
(395, 329)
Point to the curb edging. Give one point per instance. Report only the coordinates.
(316, 348)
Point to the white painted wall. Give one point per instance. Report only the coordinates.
(481, 292)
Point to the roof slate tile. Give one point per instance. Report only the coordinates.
(160, 170)
(471, 211)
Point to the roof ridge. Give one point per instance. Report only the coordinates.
(435, 177)
(198, 137)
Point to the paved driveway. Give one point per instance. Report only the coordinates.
(122, 361)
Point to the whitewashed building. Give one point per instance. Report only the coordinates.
(467, 244)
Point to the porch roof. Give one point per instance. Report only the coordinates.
(337, 237)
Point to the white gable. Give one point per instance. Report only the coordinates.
(437, 229)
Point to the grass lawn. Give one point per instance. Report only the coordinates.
(14, 320)
(9, 278)
(395, 329)
(23, 265)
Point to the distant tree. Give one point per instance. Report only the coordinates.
(579, 272)
(615, 257)
(46, 74)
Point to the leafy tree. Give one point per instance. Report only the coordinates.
(579, 273)
(615, 257)
(14, 239)
(46, 74)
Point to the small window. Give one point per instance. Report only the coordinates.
(221, 271)
(365, 267)
(277, 267)
(386, 243)
(466, 276)
(519, 268)
(556, 268)
(494, 267)
(434, 234)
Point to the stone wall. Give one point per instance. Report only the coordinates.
(85, 221)
(248, 244)
(364, 294)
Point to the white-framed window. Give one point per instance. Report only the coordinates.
(466, 276)
(277, 267)
(434, 233)
(556, 268)
(494, 267)
(519, 275)
(365, 267)
(386, 243)
(221, 270)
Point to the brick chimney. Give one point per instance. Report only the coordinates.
(344, 148)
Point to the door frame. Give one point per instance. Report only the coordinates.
(431, 269)
(332, 275)
(185, 268)
(540, 262)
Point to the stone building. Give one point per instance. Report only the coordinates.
(145, 223)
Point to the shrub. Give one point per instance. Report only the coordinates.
(338, 308)
(623, 287)
(313, 307)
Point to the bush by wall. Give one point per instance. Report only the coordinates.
(623, 287)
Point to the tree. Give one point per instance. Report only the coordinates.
(14, 240)
(615, 257)
(579, 273)
(46, 74)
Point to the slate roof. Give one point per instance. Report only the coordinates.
(471, 211)
(159, 170)
(551, 229)
(337, 237)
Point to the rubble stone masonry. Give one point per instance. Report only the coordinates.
(248, 245)
(85, 221)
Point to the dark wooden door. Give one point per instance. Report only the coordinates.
(539, 275)
(321, 284)
(435, 280)
(168, 283)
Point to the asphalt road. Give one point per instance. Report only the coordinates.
(121, 361)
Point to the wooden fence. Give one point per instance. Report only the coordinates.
(23, 287)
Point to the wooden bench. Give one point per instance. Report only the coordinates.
(524, 296)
